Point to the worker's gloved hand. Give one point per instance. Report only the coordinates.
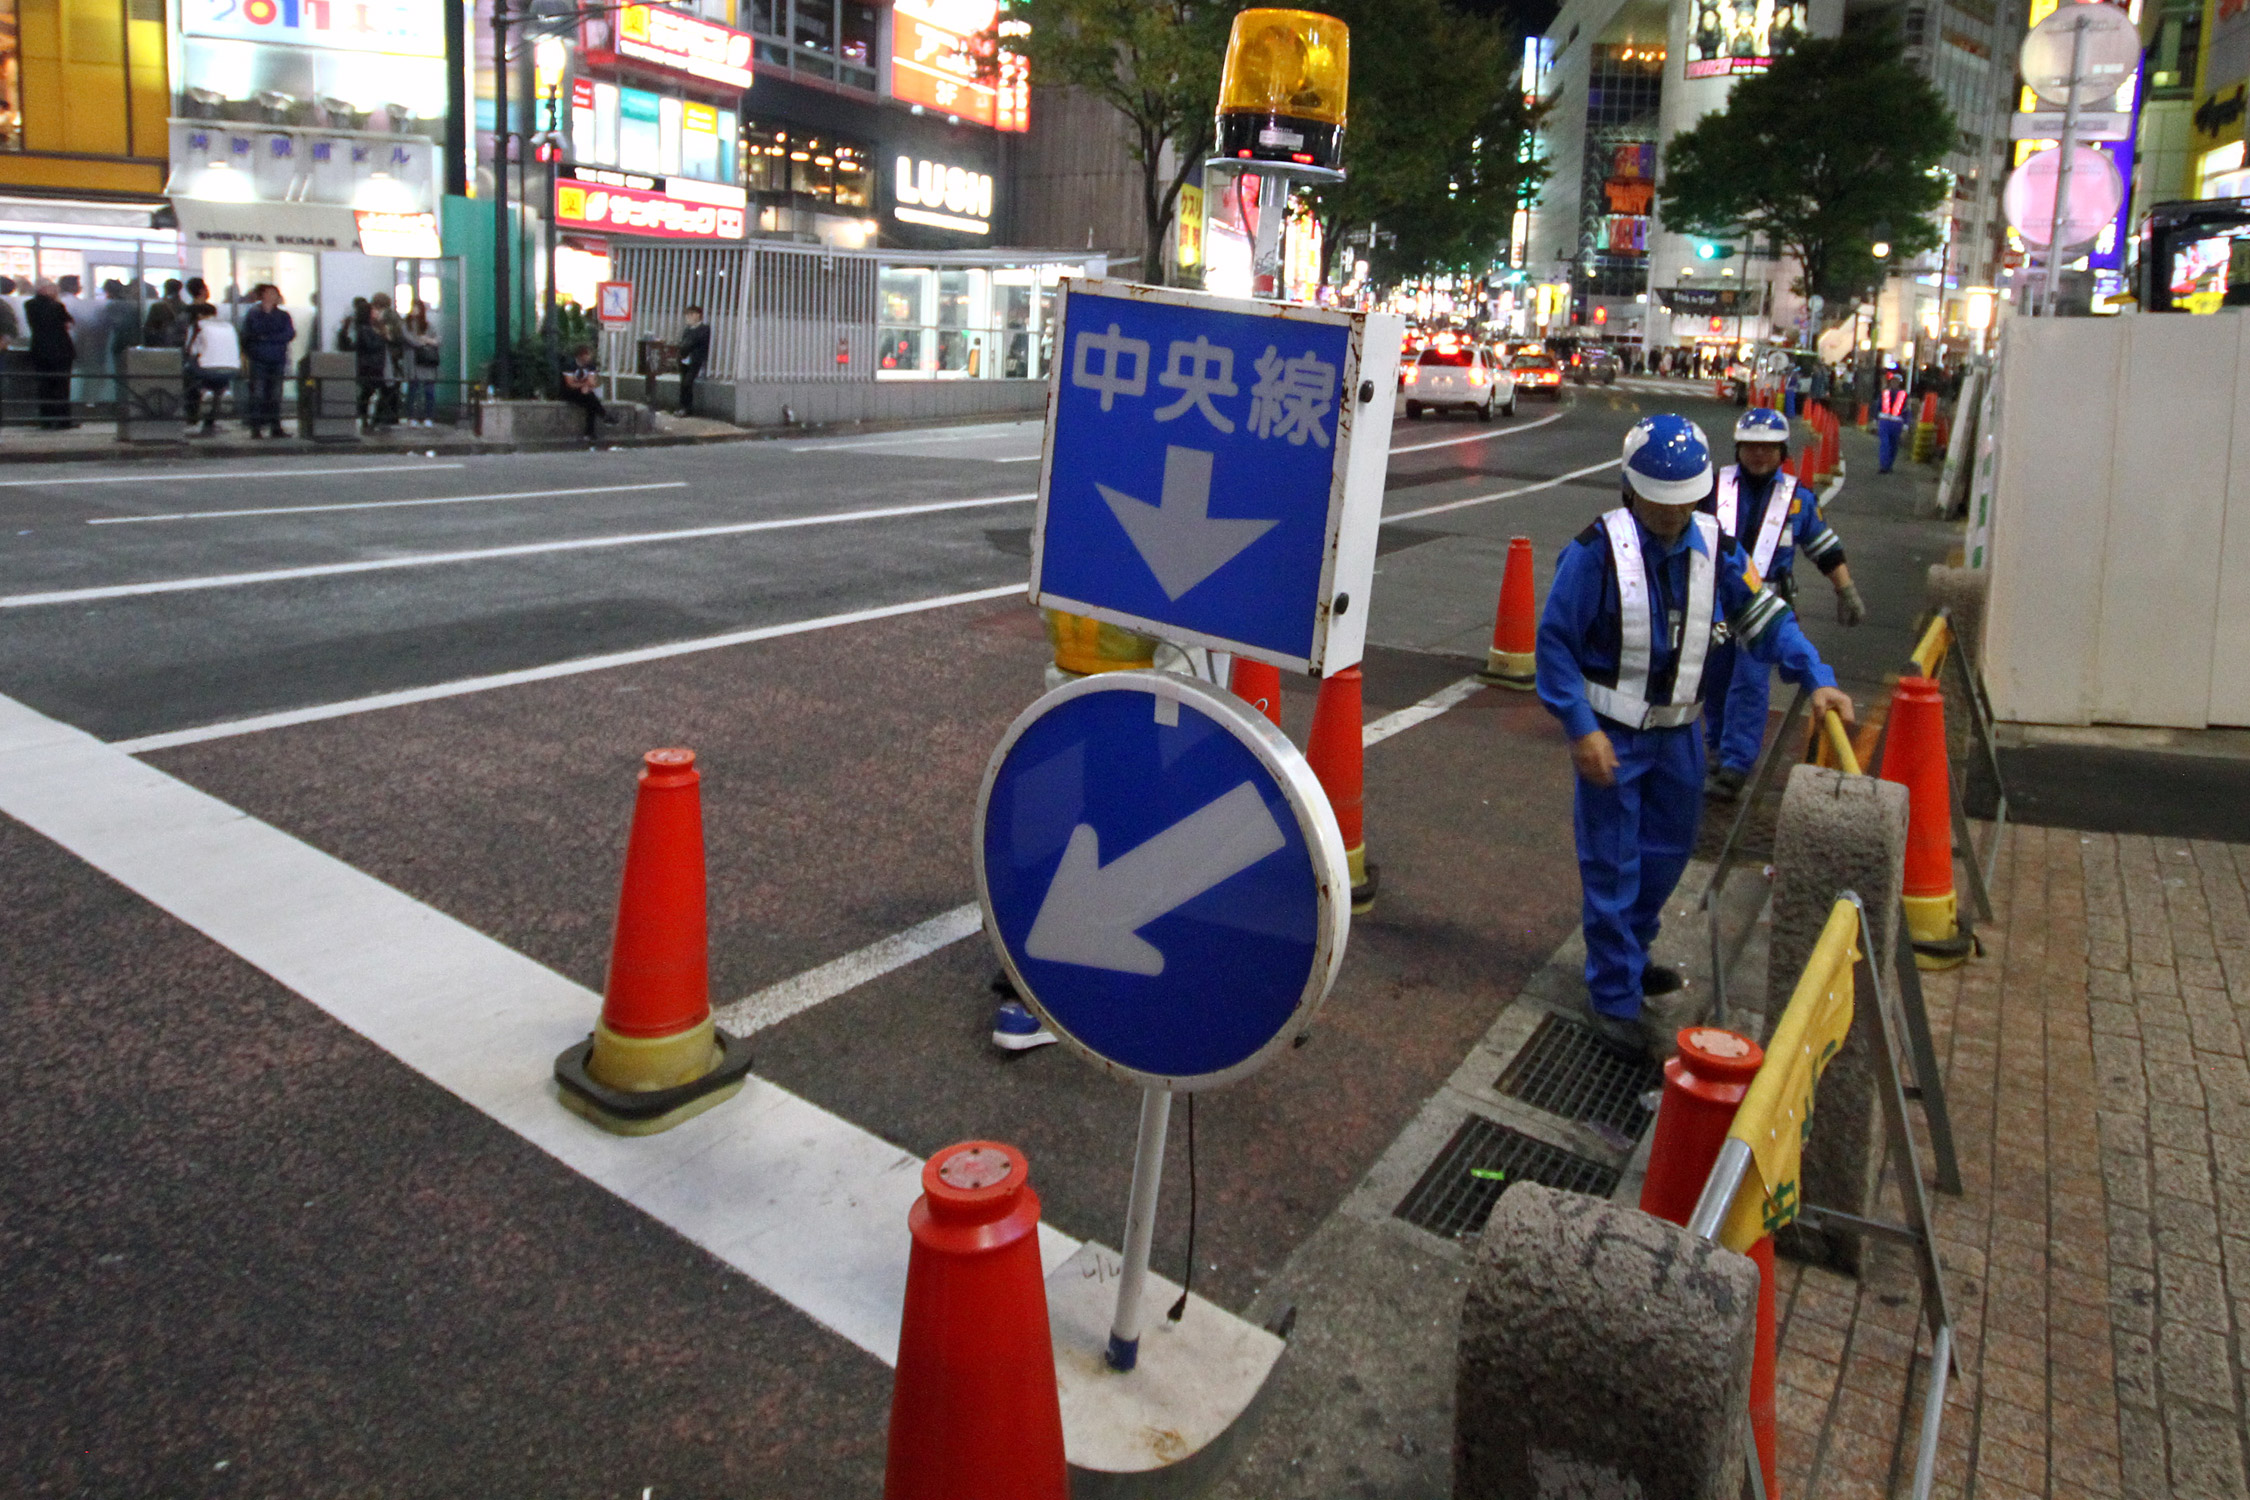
(1850, 608)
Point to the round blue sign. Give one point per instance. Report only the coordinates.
(1162, 875)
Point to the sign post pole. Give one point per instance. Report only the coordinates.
(2065, 148)
(1140, 1226)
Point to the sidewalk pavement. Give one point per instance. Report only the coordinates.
(97, 442)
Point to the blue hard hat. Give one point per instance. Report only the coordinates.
(1762, 424)
(1668, 460)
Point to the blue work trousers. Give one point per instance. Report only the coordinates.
(1634, 838)
(1737, 694)
(1888, 430)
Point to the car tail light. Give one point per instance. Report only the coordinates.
(1476, 377)
(1412, 374)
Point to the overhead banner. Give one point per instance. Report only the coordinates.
(209, 225)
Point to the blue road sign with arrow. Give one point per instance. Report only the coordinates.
(1162, 875)
(1213, 469)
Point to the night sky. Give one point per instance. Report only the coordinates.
(1528, 17)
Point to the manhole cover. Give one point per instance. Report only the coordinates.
(1456, 1194)
(1567, 1069)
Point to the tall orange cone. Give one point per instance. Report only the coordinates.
(974, 1410)
(1914, 756)
(1511, 663)
(1258, 683)
(1337, 758)
(656, 1058)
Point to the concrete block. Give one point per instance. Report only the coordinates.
(1837, 833)
(1604, 1353)
(552, 421)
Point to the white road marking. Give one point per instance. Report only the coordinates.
(481, 554)
(983, 433)
(1478, 437)
(806, 1204)
(282, 720)
(778, 1002)
(1528, 489)
(294, 510)
(174, 476)
(1451, 696)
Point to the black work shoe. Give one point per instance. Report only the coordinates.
(1622, 1034)
(1661, 979)
(1724, 784)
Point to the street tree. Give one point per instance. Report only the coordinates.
(1841, 135)
(1437, 148)
(1157, 63)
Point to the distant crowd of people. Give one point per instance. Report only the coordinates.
(76, 348)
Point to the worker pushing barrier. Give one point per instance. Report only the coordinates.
(1638, 601)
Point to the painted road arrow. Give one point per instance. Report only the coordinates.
(1092, 912)
(1179, 539)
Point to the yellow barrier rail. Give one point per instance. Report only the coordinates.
(1840, 743)
(1929, 653)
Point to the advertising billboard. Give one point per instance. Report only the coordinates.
(398, 28)
(672, 41)
(2222, 73)
(596, 200)
(1731, 37)
(942, 59)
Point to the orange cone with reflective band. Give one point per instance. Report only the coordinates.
(1258, 683)
(1511, 663)
(974, 1410)
(1337, 758)
(1704, 1083)
(656, 1058)
(1914, 756)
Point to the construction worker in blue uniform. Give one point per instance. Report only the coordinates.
(1637, 600)
(1775, 520)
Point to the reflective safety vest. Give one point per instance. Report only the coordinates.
(1778, 501)
(1894, 402)
(1626, 700)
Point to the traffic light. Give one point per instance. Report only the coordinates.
(1713, 250)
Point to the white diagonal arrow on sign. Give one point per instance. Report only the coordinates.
(1179, 539)
(1092, 911)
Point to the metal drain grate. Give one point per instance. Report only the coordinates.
(1569, 1070)
(1456, 1194)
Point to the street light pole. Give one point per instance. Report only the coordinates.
(502, 334)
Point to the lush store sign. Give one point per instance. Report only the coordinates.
(596, 200)
(941, 196)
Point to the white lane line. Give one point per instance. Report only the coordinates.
(176, 477)
(805, 1203)
(524, 549)
(1479, 437)
(282, 720)
(1528, 489)
(293, 510)
(778, 1002)
(982, 434)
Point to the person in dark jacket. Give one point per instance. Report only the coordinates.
(53, 352)
(695, 353)
(371, 361)
(581, 387)
(267, 333)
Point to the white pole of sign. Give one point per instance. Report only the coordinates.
(1273, 207)
(1140, 1226)
(2051, 287)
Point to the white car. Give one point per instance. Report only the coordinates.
(1461, 377)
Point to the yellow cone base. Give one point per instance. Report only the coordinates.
(587, 1109)
(644, 1064)
(1509, 669)
(1934, 924)
(644, 1085)
(1366, 877)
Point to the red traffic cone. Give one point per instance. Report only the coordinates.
(1928, 418)
(1337, 759)
(1511, 662)
(1258, 683)
(1914, 756)
(974, 1409)
(656, 1058)
(1704, 1083)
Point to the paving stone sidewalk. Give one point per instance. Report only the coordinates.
(2099, 1259)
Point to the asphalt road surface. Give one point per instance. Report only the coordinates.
(260, 1242)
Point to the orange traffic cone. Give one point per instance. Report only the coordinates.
(1336, 757)
(1914, 756)
(974, 1410)
(656, 1058)
(1258, 683)
(1510, 662)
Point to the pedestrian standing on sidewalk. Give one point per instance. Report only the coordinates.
(424, 354)
(267, 333)
(53, 352)
(10, 331)
(695, 352)
(1627, 629)
(214, 353)
(1890, 422)
(1772, 518)
(371, 362)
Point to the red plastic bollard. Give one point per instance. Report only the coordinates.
(1512, 660)
(1704, 1084)
(974, 1409)
(1336, 753)
(1257, 683)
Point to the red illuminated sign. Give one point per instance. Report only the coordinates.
(658, 36)
(942, 59)
(597, 200)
